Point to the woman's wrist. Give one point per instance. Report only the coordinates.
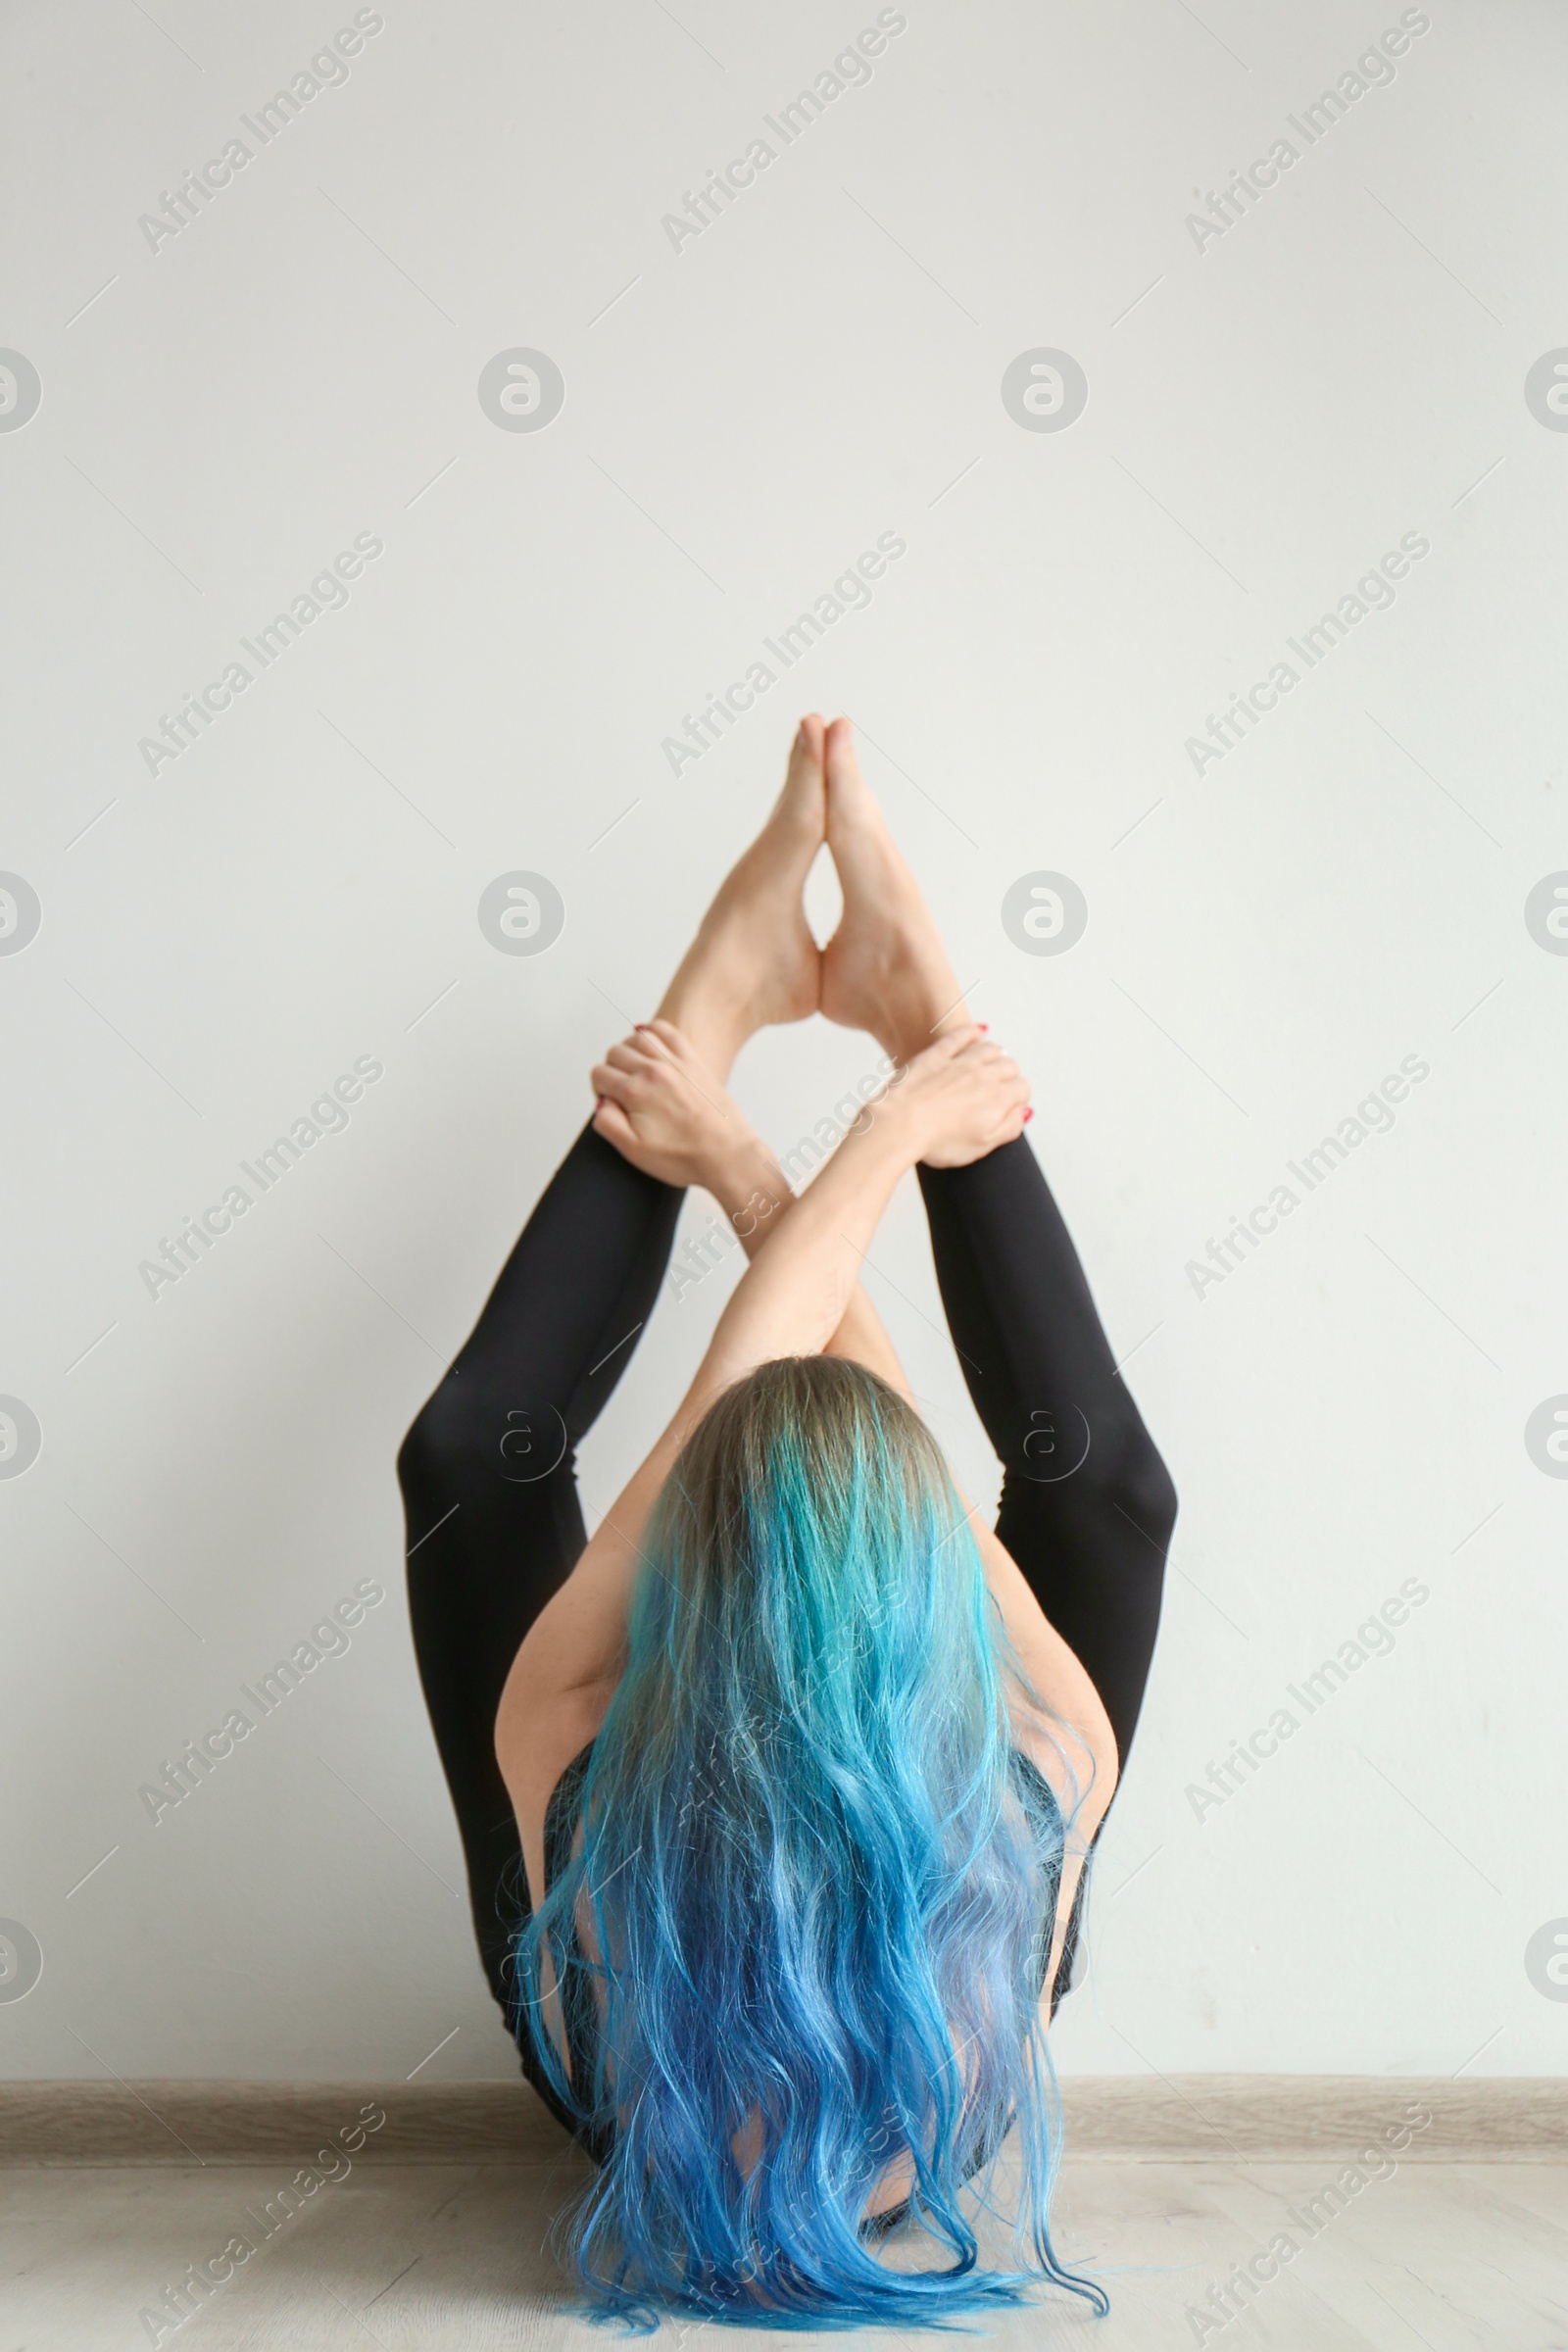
(745, 1178)
(750, 1186)
(895, 1122)
(866, 1166)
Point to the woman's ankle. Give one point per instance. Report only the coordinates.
(915, 1029)
(712, 1033)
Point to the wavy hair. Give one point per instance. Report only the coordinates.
(807, 1907)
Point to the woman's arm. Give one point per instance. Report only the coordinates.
(790, 1301)
(754, 1194)
(959, 1100)
(666, 1111)
(1075, 1748)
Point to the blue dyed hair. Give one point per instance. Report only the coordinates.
(817, 1884)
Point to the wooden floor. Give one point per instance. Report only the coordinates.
(437, 2253)
(437, 2256)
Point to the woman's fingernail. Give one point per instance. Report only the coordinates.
(1028, 1114)
(599, 1102)
(984, 1024)
(639, 1024)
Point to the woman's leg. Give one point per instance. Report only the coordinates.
(1087, 1506)
(488, 1474)
(488, 1468)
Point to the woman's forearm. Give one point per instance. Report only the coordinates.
(959, 1101)
(752, 1189)
(805, 1269)
(790, 1301)
(755, 1195)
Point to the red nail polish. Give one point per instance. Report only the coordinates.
(985, 1024)
(639, 1024)
(1028, 1114)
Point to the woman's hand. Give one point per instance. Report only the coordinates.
(962, 1097)
(662, 1108)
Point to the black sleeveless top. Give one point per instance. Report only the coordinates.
(579, 2011)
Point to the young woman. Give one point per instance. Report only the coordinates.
(777, 1795)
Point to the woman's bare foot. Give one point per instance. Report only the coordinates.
(885, 968)
(754, 961)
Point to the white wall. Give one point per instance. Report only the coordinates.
(1266, 939)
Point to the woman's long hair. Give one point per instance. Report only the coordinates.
(814, 1886)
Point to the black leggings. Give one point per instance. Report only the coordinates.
(488, 1468)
